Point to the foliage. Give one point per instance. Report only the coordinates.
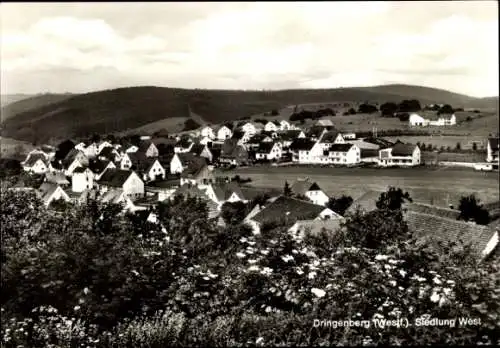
(445, 109)
(351, 111)
(404, 117)
(392, 199)
(388, 109)
(9, 167)
(95, 277)
(409, 106)
(287, 191)
(312, 115)
(274, 112)
(365, 108)
(339, 205)
(63, 149)
(190, 124)
(458, 146)
(233, 213)
(471, 210)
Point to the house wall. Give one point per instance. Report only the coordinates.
(352, 156)
(207, 154)
(417, 120)
(317, 197)
(152, 151)
(82, 181)
(249, 128)
(156, 171)
(224, 133)
(270, 127)
(125, 163)
(207, 132)
(75, 164)
(327, 213)
(57, 195)
(176, 165)
(134, 186)
(38, 168)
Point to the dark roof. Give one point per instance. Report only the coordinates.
(224, 191)
(186, 157)
(445, 229)
(184, 143)
(195, 167)
(329, 137)
(493, 143)
(197, 149)
(265, 148)
(79, 170)
(115, 177)
(340, 147)
(98, 166)
(33, 158)
(401, 149)
(257, 138)
(302, 144)
(168, 183)
(47, 189)
(70, 157)
(238, 135)
(144, 145)
(290, 208)
(289, 135)
(365, 203)
(108, 152)
(378, 141)
(432, 210)
(315, 131)
(141, 162)
(301, 186)
(369, 153)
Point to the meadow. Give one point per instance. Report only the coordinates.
(440, 186)
(12, 148)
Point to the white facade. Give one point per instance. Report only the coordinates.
(180, 149)
(491, 155)
(126, 162)
(417, 120)
(176, 165)
(271, 127)
(224, 133)
(57, 195)
(443, 120)
(315, 155)
(284, 125)
(205, 141)
(156, 171)
(110, 165)
(207, 132)
(274, 154)
(82, 181)
(317, 197)
(133, 186)
(249, 128)
(386, 159)
(103, 145)
(38, 168)
(91, 151)
(152, 151)
(351, 156)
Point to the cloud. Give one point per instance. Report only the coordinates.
(251, 45)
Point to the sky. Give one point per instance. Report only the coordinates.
(83, 47)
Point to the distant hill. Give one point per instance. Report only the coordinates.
(129, 108)
(30, 103)
(6, 99)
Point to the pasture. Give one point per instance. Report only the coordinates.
(440, 186)
(444, 140)
(12, 148)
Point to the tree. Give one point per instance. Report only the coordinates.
(474, 146)
(470, 209)
(340, 205)
(287, 191)
(445, 109)
(190, 124)
(233, 213)
(392, 199)
(63, 149)
(388, 109)
(367, 109)
(274, 112)
(458, 146)
(404, 117)
(409, 106)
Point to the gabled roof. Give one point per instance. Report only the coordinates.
(224, 191)
(141, 162)
(70, 157)
(238, 135)
(98, 166)
(329, 137)
(257, 138)
(365, 203)
(265, 148)
(432, 210)
(186, 157)
(197, 149)
(301, 186)
(56, 178)
(47, 189)
(378, 141)
(108, 152)
(316, 226)
(191, 191)
(79, 170)
(493, 143)
(115, 177)
(112, 196)
(33, 158)
(340, 147)
(324, 122)
(290, 134)
(144, 145)
(302, 144)
(401, 149)
(445, 229)
(194, 168)
(288, 208)
(315, 131)
(167, 183)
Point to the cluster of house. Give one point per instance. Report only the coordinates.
(432, 119)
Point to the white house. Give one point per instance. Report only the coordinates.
(50, 192)
(148, 148)
(344, 154)
(102, 145)
(417, 120)
(222, 193)
(202, 151)
(250, 128)
(329, 138)
(153, 170)
(126, 161)
(404, 155)
(492, 150)
(128, 181)
(313, 155)
(82, 179)
(36, 163)
(205, 140)
(91, 151)
(432, 120)
(269, 151)
(81, 146)
(176, 166)
(272, 126)
(98, 167)
(311, 190)
(207, 132)
(224, 133)
(285, 125)
(301, 150)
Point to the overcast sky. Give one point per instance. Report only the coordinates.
(79, 47)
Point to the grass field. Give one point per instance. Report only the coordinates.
(439, 186)
(12, 148)
(172, 125)
(446, 140)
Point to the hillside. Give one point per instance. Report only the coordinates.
(16, 107)
(128, 108)
(6, 99)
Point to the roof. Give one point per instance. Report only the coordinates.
(47, 189)
(197, 149)
(98, 166)
(301, 186)
(290, 208)
(315, 131)
(493, 143)
(324, 122)
(70, 157)
(115, 177)
(365, 203)
(365, 153)
(184, 143)
(445, 229)
(302, 144)
(400, 149)
(144, 145)
(191, 191)
(169, 183)
(141, 162)
(33, 158)
(238, 135)
(378, 141)
(290, 134)
(194, 167)
(79, 170)
(231, 149)
(329, 137)
(340, 147)
(224, 191)
(265, 148)
(112, 196)
(108, 152)
(432, 210)
(316, 226)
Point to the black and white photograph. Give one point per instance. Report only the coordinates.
(249, 174)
